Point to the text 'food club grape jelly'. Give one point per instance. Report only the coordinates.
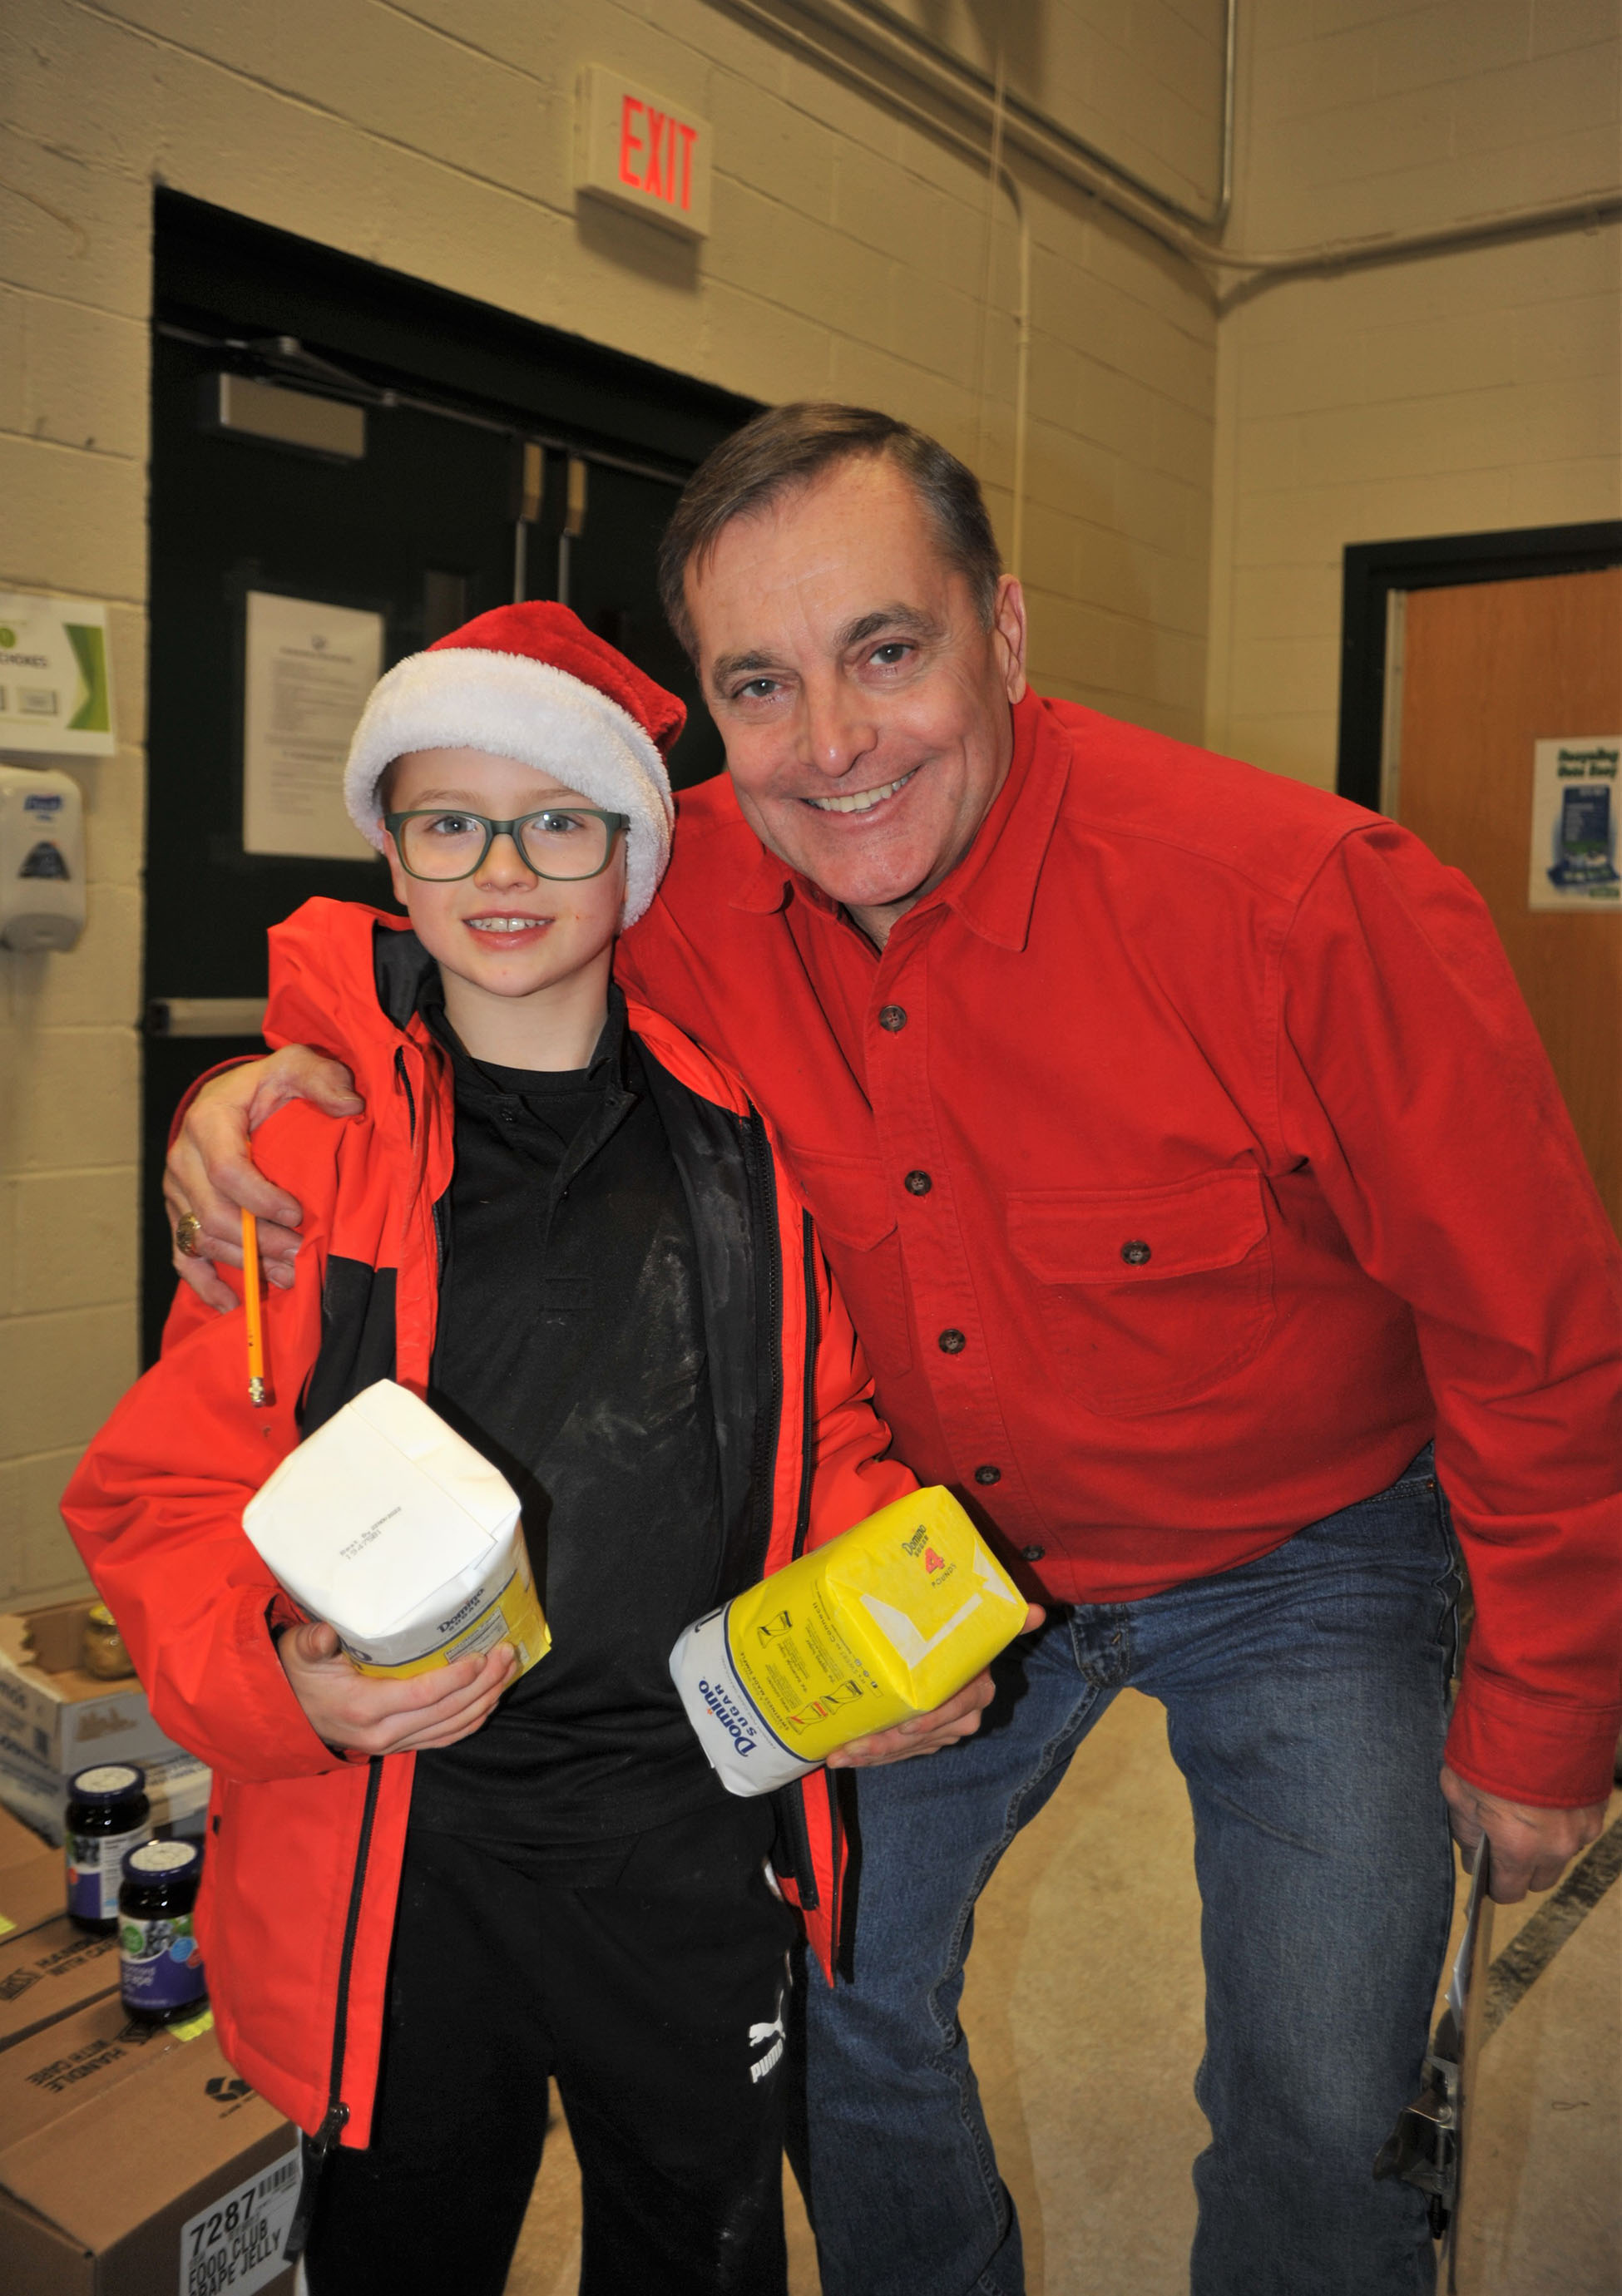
(107, 1817)
(160, 1971)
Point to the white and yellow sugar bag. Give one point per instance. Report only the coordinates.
(392, 1528)
(883, 1623)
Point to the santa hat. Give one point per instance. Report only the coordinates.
(532, 683)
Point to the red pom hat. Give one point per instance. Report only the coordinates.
(532, 683)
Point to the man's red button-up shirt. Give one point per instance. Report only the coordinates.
(1187, 1159)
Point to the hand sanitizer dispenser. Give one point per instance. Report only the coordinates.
(42, 859)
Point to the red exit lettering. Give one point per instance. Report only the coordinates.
(629, 141)
(668, 173)
(689, 136)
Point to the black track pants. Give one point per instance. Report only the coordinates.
(655, 2002)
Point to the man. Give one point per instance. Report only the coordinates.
(1187, 1159)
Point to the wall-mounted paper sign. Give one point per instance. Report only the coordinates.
(644, 153)
(310, 670)
(56, 686)
(1575, 790)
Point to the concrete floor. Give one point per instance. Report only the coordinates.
(1084, 2004)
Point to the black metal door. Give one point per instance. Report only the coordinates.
(460, 410)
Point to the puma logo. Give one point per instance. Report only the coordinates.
(775, 2034)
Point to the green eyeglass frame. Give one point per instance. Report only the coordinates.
(397, 825)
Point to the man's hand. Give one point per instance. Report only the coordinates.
(210, 1173)
(376, 1715)
(927, 1734)
(1531, 1847)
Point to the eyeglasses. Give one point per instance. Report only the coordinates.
(567, 843)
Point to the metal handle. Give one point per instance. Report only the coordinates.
(205, 1016)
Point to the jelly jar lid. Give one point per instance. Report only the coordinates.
(109, 1781)
(156, 1862)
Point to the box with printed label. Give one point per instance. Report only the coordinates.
(32, 1885)
(48, 1971)
(140, 2165)
(54, 1718)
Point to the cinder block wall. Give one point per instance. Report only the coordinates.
(1471, 391)
(847, 258)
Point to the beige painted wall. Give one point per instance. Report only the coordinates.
(1471, 391)
(846, 258)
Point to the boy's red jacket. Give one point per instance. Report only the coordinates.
(305, 1844)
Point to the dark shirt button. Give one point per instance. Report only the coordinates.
(988, 1474)
(917, 1183)
(1032, 1554)
(1135, 1253)
(951, 1343)
(507, 1115)
(893, 1017)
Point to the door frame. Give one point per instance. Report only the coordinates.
(270, 306)
(1374, 571)
(390, 328)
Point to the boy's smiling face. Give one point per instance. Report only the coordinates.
(504, 933)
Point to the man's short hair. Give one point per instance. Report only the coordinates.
(788, 447)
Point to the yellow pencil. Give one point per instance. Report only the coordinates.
(259, 1390)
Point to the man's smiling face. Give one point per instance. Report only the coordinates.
(863, 702)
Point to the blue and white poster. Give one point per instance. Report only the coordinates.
(1575, 823)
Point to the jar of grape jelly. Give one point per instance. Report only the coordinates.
(107, 1817)
(161, 1973)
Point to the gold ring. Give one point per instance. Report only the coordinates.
(188, 1227)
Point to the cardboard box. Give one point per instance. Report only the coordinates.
(57, 1718)
(137, 2166)
(49, 1971)
(33, 1882)
(77, 2056)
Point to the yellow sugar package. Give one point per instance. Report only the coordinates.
(391, 1527)
(885, 1622)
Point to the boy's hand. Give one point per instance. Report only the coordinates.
(373, 1715)
(927, 1734)
(210, 1173)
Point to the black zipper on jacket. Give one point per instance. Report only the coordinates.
(405, 1085)
(791, 1799)
(808, 1404)
(315, 2148)
(768, 1410)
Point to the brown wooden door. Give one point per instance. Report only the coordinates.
(1488, 670)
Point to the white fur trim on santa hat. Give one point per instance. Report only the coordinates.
(471, 698)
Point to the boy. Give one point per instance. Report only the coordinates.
(565, 1226)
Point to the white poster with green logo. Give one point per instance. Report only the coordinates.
(55, 685)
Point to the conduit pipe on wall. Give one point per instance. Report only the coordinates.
(1125, 194)
(876, 27)
(1586, 212)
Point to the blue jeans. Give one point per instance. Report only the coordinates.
(1306, 1700)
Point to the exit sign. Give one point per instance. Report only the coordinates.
(644, 153)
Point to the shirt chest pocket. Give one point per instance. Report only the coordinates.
(1148, 1296)
(850, 1201)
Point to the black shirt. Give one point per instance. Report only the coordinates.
(571, 1352)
